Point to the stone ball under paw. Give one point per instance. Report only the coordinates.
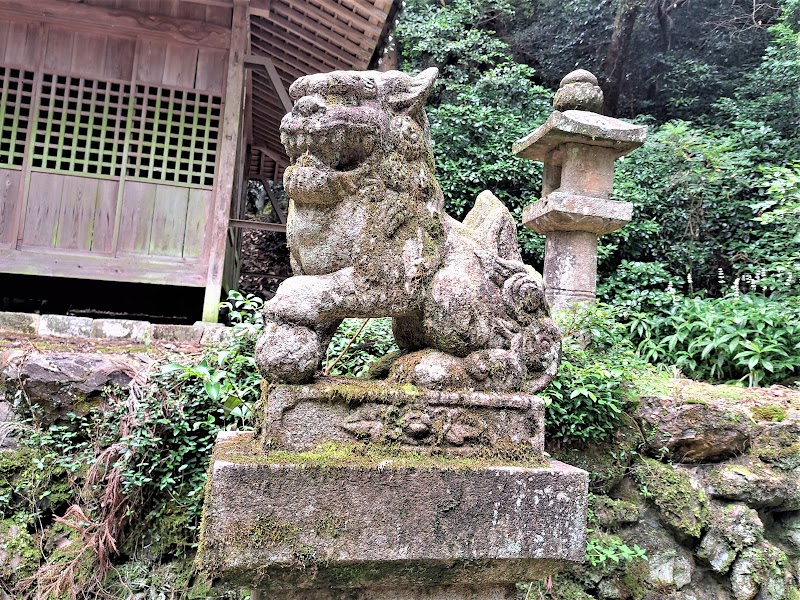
(288, 353)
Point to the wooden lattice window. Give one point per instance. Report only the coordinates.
(16, 97)
(174, 135)
(80, 126)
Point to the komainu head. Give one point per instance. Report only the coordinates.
(350, 127)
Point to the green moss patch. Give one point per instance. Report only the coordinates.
(245, 449)
(768, 412)
(682, 507)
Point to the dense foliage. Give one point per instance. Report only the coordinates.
(124, 483)
(597, 380)
(716, 187)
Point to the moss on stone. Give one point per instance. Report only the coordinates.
(605, 463)
(635, 578)
(19, 553)
(243, 449)
(768, 412)
(610, 513)
(682, 507)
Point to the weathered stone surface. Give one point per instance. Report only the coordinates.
(778, 443)
(694, 431)
(287, 521)
(137, 331)
(19, 322)
(750, 481)
(682, 504)
(495, 592)
(302, 417)
(582, 127)
(570, 267)
(789, 532)
(8, 425)
(176, 333)
(669, 564)
(733, 527)
(611, 513)
(215, 334)
(671, 567)
(369, 237)
(569, 212)
(60, 383)
(579, 91)
(64, 326)
(759, 571)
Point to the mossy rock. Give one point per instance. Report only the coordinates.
(609, 513)
(605, 463)
(681, 507)
(768, 412)
(19, 552)
(778, 444)
(28, 476)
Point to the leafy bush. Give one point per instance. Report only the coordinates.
(602, 548)
(640, 286)
(595, 383)
(774, 256)
(134, 469)
(744, 337)
(693, 191)
(364, 344)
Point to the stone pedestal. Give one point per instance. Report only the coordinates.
(578, 149)
(364, 490)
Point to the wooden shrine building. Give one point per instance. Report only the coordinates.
(129, 128)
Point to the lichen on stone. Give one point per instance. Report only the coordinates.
(368, 237)
(681, 506)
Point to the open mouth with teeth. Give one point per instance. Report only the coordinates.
(338, 148)
(330, 146)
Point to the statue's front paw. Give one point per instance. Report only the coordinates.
(300, 299)
(288, 353)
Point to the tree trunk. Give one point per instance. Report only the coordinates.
(625, 15)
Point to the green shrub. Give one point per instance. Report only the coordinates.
(595, 383)
(740, 337)
(131, 475)
(365, 343)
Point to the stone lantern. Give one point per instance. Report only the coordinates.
(578, 148)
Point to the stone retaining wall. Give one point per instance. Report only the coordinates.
(83, 327)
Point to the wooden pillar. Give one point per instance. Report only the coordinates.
(229, 160)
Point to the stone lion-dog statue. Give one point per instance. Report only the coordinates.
(368, 237)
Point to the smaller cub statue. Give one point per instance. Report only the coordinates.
(368, 237)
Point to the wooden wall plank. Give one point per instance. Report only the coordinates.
(180, 66)
(5, 27)
(219, 15)
(191, 10)
(76, 213)
(227, 162)
(55, 263)
(150, 60)
(58, 53)
(9, 205)
(124, 21)
(89, 54)
(211, 64)
(137, 217)
(169, 221)
(196, 218)
(104, 215)
(22, 43)
(41, 212)
(119, 57)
